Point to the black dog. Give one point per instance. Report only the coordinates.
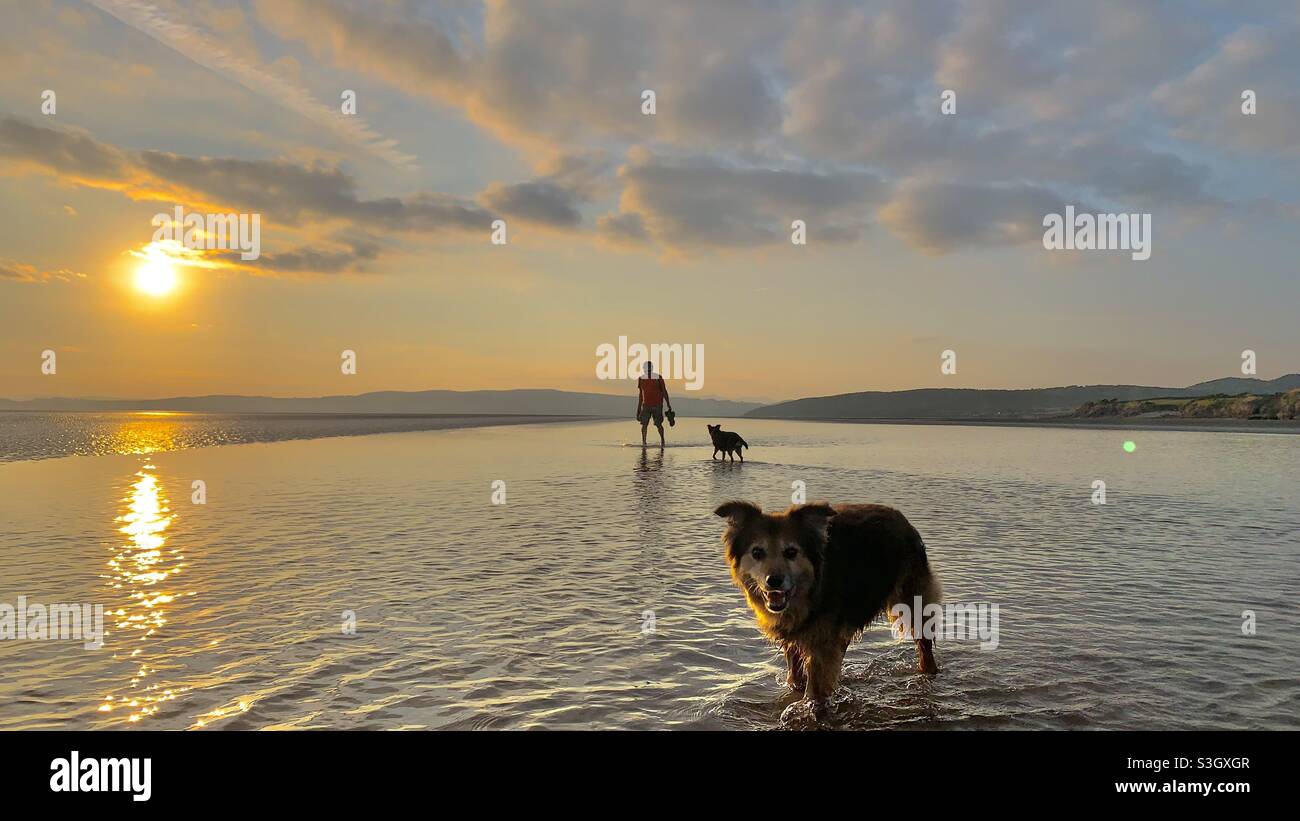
(726, 442)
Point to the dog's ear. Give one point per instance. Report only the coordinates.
(738, 513)
(816, 517)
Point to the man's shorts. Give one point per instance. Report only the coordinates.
(647, 413)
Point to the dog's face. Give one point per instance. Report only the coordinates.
(776, 558)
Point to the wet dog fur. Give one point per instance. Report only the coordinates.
(816, 575)
(727, 442)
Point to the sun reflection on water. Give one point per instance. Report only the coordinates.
(143, 568)
(146, 432)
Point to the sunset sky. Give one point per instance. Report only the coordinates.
(924, 229)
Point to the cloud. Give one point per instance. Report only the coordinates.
(1205, 104)
(1046, 95)
(356, 257)
(73, 154)
(627, 229)
(401, 50)
(989, 59)
(554, 71)
(21, 272)
(939, 217)
(769, 111)
(285, 192)
(294, 195)
(555, 198)
(1134, 174)
(192, 43)
(707, 201)
(540, 202)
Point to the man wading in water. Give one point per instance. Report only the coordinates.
(651, 395)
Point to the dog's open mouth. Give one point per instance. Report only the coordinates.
(776, 600)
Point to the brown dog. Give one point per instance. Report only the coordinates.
(816, 575)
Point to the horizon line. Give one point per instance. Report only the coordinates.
(710, 398)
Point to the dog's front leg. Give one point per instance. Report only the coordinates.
(925, 657)
(824, 663)
(797, 678)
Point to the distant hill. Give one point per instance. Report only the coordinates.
(1234, 385)
(537, 402)
(1216, 406)
(957, 403)
(926, 403)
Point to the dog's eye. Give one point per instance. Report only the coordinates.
(791, 552)
(758, 553)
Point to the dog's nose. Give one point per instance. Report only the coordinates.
(774, 582)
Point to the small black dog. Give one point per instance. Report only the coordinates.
(726, 442)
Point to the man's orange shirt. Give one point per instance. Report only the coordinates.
(652, 391)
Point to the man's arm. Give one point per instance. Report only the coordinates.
(638, 399)
(664, 388)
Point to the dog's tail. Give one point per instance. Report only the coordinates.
(742, 441)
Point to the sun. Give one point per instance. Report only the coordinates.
(155, 276)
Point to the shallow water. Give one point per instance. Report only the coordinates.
(534, 613)
(49, 435)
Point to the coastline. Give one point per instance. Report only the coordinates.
(1291, 426)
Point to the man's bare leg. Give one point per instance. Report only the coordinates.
(644, 425)
(661, 434)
